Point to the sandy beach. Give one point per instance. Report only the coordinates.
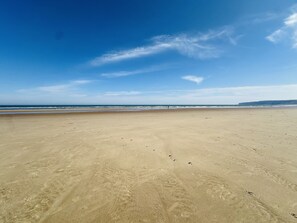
(217, 165)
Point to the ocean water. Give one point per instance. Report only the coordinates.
(12, 109)
(43, 109)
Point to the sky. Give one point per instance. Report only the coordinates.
(147, 52)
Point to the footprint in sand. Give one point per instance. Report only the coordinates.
(294, 215)
(250, 193)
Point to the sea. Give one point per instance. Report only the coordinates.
(44, 109)
(29, 109)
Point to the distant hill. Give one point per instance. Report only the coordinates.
(269, 103)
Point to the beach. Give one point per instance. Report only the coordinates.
(196, 165)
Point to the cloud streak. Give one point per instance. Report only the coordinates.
(287, 31)
(122, 93)
(192, 78)
(199, 46)
(58, 88)
(225, 95)
(133, 72)
(259, 18)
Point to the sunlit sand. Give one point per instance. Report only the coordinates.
(225, 165)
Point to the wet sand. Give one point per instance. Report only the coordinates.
(225, 165)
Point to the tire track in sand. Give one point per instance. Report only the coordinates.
(259, 169)
(35, 208)
(240, 202)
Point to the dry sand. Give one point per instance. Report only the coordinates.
(175, 166)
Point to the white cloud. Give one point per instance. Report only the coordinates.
(53, 89)
(195, 79)
(200, 46)
(258, 18)
(79, 82)
(263, 17)
(123, 73)
(276, 36)
(128, 54)
(133, 72)
(291, 20)
(288, 30)
(122, 93)
(226, 95)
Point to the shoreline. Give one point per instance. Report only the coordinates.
(110, 111)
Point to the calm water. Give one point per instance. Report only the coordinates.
(36, 109)
(11, 109)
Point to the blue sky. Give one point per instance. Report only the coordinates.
(147, 52)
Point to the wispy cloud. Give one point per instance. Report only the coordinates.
(133, 72)
(199, 46)
(224, 95)
(195, 79)
(58, 88)
(259, 18)
(287, 31)
(122, 93)
(276, 36)
(80, 82)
